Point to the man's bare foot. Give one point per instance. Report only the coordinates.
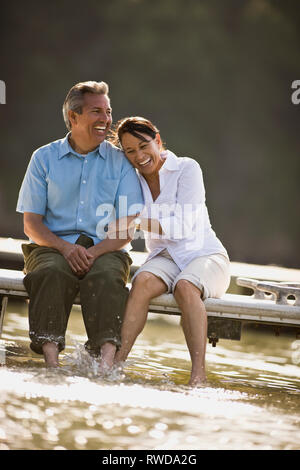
(108, 351)
(50, 351)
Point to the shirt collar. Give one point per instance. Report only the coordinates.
(171, 161)
(171, 164)
(65, 148)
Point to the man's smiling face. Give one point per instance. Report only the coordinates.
(92, 125)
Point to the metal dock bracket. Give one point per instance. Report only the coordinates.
(277, 291)
(281, 292)
(252, 284)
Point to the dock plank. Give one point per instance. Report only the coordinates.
(10, 249)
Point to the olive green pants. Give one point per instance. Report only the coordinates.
(52, 287)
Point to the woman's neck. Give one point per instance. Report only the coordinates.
(153, 178)
(154, 185)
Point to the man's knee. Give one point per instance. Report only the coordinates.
(53, 263)
(49, 270)
(106, 280)
(110, 267)
(51, 277)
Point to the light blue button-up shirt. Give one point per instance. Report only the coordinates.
(79, 194)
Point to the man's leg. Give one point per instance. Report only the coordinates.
(52, 288)
(103, 295)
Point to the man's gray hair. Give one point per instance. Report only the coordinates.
(74, 98)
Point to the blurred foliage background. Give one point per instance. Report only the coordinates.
(214, 76)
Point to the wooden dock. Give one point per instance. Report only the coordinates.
(271, 304)
(11, 254)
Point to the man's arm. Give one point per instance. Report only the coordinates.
(107, 246)
(119, 227)
(116, 239)
(76, 255)
(129, 189)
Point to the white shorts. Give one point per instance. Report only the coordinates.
(211, 274)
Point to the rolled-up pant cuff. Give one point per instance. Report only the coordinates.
(37, 342)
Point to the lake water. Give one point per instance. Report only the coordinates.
(251, 400)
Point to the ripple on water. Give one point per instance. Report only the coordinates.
(76, 412)
(251, 400)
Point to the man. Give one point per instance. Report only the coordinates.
(72, 189)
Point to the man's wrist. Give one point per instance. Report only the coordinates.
(137, 223)
(62, 245)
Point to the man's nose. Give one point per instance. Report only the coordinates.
(103, 118)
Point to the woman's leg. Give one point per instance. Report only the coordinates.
(194, 324)
(145, 287)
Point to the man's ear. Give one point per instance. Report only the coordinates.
(72, 117)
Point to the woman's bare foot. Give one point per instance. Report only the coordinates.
(198, 377)
(197, 381)
(50, 351)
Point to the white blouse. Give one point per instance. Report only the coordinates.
(181, 211)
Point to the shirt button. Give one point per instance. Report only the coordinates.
(80, 220)
(84, 181)
(81, 202)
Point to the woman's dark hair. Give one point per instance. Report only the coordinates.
(135, 126)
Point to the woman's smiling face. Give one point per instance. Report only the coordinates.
(143, 153)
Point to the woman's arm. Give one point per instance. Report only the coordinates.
(175, 220)
(184, 216)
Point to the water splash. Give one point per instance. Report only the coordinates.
(80, 362)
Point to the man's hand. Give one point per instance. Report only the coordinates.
(92, 254)
(122, 228)
(78, 257)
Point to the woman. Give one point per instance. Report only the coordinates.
(186, 257)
